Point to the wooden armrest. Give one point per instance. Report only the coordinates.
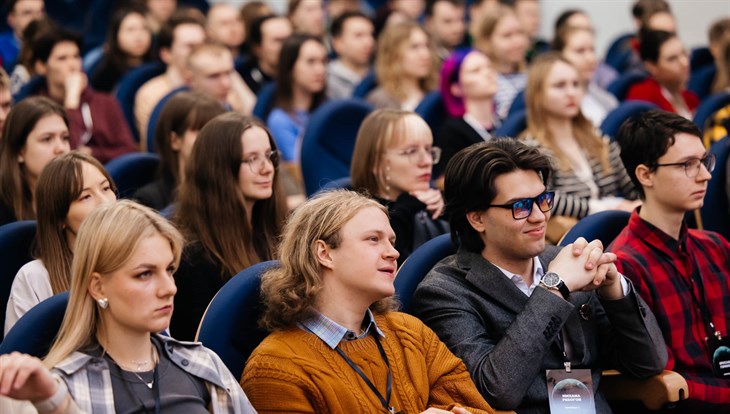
(655, 392)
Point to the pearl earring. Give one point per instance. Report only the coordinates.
(103, 303)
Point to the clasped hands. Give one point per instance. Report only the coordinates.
(584, 266)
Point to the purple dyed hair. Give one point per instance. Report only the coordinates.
(450, 76)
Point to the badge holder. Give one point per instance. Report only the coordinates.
(570, 391)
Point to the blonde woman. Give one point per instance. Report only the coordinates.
(406, 65)
(589, 175)
(108, 356)
(393, 160)
(338, 345)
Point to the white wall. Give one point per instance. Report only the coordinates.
(613, 18)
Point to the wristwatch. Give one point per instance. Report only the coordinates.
(552, 281)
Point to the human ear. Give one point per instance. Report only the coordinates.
(96, 287)
(322, 250)
(176, 142)
(644, 175)
(476, 220)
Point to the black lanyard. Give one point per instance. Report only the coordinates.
(701, 302)
(156, 386)
(561, 345)
(385, 401)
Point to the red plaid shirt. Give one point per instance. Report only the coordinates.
(661, 269)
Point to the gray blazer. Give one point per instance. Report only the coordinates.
(508, 339)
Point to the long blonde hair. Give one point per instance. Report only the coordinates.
(106, 240)
(290, 290)
(389, 55)
(537, 124)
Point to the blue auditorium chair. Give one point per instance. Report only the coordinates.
(155, 115)
(604, 226)
(329, 140)
(31, 88)
(700, 57)
(366, 85)
(35, 331)
(518, 104)
(621, 113)
(513, 126)
(132, 171)
(128, 86)
(715, 212)
(15, 244)
(700, 81)
(418, 264)
(621, 86)
(230, 324)
(709, 106)
(265, 101)
(344, 183)
(432, 110)
(619, 52)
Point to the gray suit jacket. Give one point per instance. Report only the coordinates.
(508, 339)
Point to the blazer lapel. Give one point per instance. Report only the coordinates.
(491, 282)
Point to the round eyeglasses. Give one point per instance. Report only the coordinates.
(415, 154)
(256, 162)
(693, 165)
(522, 208)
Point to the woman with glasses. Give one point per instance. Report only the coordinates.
(231, 209)
(392, 161)
(589, 176)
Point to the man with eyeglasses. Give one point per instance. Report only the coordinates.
(681, 273)
(522, 315)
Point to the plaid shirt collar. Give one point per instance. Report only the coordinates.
(333, 333)
(656, 237)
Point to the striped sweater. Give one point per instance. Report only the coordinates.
(572, 194)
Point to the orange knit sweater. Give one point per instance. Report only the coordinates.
(295, 371)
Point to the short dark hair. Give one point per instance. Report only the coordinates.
(650, 43)
(431, 4)
(254, 35)
(646, 137)
(338, 24)
(469, 181)
(45, 42)
(644, 8)
(181, 16)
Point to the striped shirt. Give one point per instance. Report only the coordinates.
(90, 385)
(573, 195)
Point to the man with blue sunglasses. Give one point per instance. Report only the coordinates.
(535, 324)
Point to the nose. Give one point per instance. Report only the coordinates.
(536, 215)
(167, 286)
(62, 146)
(704, 174)
(391, 253)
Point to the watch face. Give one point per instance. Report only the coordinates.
(551, 279)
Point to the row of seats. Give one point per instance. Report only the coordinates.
(229, 326)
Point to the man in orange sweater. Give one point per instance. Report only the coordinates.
(337, 345)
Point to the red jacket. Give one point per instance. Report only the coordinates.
(649, 90)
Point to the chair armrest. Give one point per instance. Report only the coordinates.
(655, 392)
